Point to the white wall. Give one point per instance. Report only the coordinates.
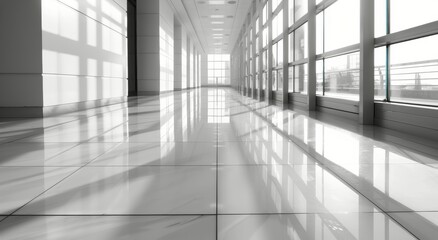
(184, 64)
(204, 70)
(20, 54)
(84, 50)
(166, 47)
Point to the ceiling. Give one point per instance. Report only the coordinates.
(217, 23)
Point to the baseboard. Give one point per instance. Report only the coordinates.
(49, 111)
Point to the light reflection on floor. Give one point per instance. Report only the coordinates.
(208, 164)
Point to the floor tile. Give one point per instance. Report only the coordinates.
(421, 224)
(131, 190)
(161, 153)
(109, 227)
(259, 153)
(19, 185)
(394, 187)
(50, 154)
(285, 189)
(310, 227)
(30, 154)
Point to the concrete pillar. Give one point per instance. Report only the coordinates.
(20, 55)
(155, 44)
(311, 83)
(366, 90)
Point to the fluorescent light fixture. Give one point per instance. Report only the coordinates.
(217, 16)
(217, 22)
(217, 29)
(217, 37)
(217, 34)
(216, 2)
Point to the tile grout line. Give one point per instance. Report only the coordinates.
(326, 167)
(64, 178)
(217, 175)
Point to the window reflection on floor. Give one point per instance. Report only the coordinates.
(218, 108)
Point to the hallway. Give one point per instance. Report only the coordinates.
(208, 164)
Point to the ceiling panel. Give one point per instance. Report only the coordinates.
(217, 22)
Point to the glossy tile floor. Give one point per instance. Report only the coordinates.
(209, 164)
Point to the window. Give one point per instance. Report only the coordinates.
(408, 14)
(301, 8)
(265, 37)
(341, 27)
(291, 12)
(265, 13)
(291, 79)
(277, 25)
(274, 55)
(414, 71)
(291, 47)
(300, 48)
(280, 80)
(320, 77)
(320, 33)
(379, 18)
(280, 53)
(219, 69)
(275, 4)
(380, 73)
(300, 78)
(341, 76)
(257, 26)
(274, 80)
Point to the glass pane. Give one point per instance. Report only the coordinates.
(342, 76)
(291, 12)
(341, 24)
(414, 71)
(300, 8)
(300, 78)
(319, 77)
(265, 13)
(265, 37)
(291, 47)
(301, 42)
(379, 18)
(407, 14)
(320, 33)
(380, 73)
(291, 79)
(275, 4)
(277, 25)
(274, 55)
(280, 53)
(280, 79)
(257, 25)
(274, 80)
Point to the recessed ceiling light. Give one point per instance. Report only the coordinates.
(217, 29)
(217, 37)
(217, 16)
(216, 2)
(217, 22)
